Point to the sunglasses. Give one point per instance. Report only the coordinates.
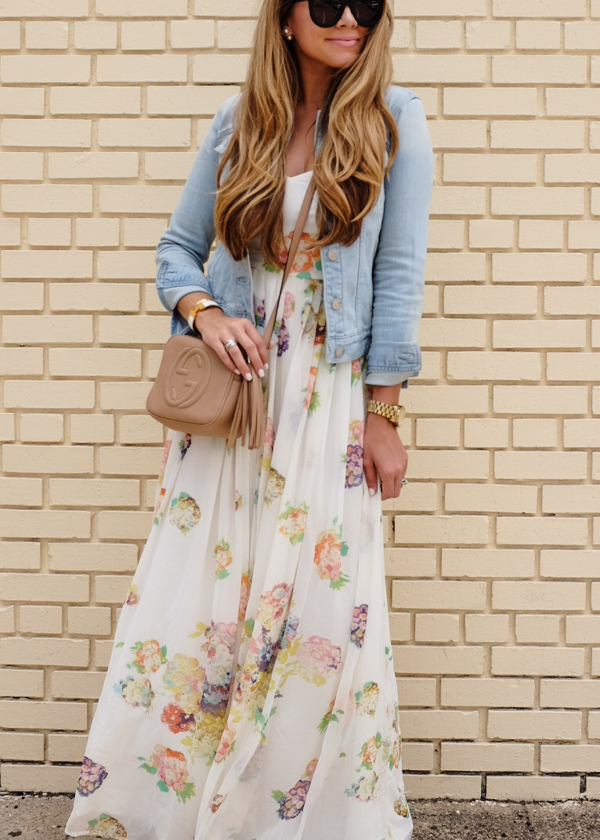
(327, 13)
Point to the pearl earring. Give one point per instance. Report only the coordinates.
(288, 34)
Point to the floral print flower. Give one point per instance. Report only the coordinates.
(330, 717)
(273, 605)
(289, 305)
(289, 633)
(217, 801)
(312, 400)
(91, 777)
(401, 806)
(357, 366)
(132, 596)
(275, 487)
(172, 771)
(260, 314)
(107, 827)
(355, 455)
(176, 719)
(226, 744)
(238, 500)
(368, 752)
(366, 789)
(184, 513)
(149, 656)
(135, 691)
(244, 595)
(184, 677)
(291, 802)
(223, 558)
(319, 656)
(294, 521)
(329, 551)
(359, 625)
(283, 338)
(268, 444)
(184, 445)
(204, 736)
(366, 699)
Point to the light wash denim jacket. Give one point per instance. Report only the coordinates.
(373, 289)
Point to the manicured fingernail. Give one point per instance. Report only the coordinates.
(249, 377)
(237, 371)
(371, 491)
(267, 366)
(261, 373)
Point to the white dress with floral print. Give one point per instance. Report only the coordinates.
(251, 691)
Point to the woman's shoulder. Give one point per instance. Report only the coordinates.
(397, 97)
(226, 111)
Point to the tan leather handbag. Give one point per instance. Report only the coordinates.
(196, 392)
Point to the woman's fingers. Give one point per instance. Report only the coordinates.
(370, 474)
(259, 341)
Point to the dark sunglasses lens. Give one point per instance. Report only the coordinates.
(326, 12)
(367, 12)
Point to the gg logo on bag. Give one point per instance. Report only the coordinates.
(188, 378)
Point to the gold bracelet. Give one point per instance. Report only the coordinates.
(394, 413)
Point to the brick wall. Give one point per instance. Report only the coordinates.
(493, 547)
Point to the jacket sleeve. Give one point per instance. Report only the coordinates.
(399, 266)
(185, 246)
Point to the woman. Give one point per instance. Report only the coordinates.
(251, 692)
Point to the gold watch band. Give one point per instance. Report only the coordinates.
(394, 413)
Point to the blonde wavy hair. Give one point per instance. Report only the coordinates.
(350, 166)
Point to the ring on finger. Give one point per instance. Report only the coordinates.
(229, 344)
(404, 481)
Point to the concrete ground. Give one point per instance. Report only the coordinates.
(43, 818)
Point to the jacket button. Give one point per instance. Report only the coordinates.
(339, 352)
(336, 303)
(333, 254)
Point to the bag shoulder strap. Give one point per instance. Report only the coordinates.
(302, 217)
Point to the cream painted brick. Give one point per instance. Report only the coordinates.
(95, 100)
(417, 756)
(416, 691)
(485, 233)
(17, 492)
(532, 661)
(594, 723)
(197, 100)
(100, 492)
(44, 587)
(168, 166)
(540, 466)
(538, 134)
(484, 757)
(125, 525)
(40, 9)
(67, 748)
(220, 68)
(458, 530)
(457, 134)
(144, 132)
(490, 498)
(581, 434)
(400, 629)
(532, 788)
(435, 723)
(537, 201)
(48, 329)
(32, 714)
(569, 758)
(537, 629)
(49, 232)
(508, 366)
(448, 464)
(93, 297)
(486, 628)
(25, 746)
(438, 594)
(452, 332)
(539, 8)
(432, 786)
(583, 629)
(136, 428)
(493, 563)
(116, 265)
(102, 652)
(450, 399)
(537, 595)
(130, 460)
(94, 361)
(193, 34)
(437, 659)
(19, 361)
(551, 333)
(464, 201)
(534, 69)
(111, 589)
(534, 434)
(142, 68)
(7, 427)
(571, 499)
(490, 300)
(562, 563)
(132, 329)
(573, 367)
(566, 102)
(584, 235)
(484, 692)
(540, 399)
(540, 234)
(446, 235)
(18, 683)
(440, 8)
(46, 69)
(436, 69)
(432, 627)
(92, 428)
(59, 265)
(488, 35)
(534, 725)
(595, 75)
(144, 233)
(21, 166)
(573, 169)
(97, 233)
(7, 620)
(95, 35)
(58, 133)
(14, 295)
(102, 557)
(10, 231)
(10, 36)
(46, 198)
(93, 621)
(234, 34)
(124, 396)
(595, 211)
(150, 8)
(147, 36)
(538, 35)
(539, 268)
(46, 778)
(438, 432)
(401, 35)
(595, 336)
(16, 555)
(482, 102)
(47, 459)
(570, 693)
(438, 34)
(47, 35)
(478, 168)
(41, 620)
(42, 428)
(76, 685)
(134, 199)
(410, 562)
(71, 653)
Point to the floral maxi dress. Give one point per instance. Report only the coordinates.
(251, 693)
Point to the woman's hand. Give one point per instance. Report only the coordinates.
(384, 456)
(217, 328)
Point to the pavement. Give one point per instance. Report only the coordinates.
(43, 817)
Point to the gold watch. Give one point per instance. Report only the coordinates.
(394, 413)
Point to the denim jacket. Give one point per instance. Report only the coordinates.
(373, 289)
